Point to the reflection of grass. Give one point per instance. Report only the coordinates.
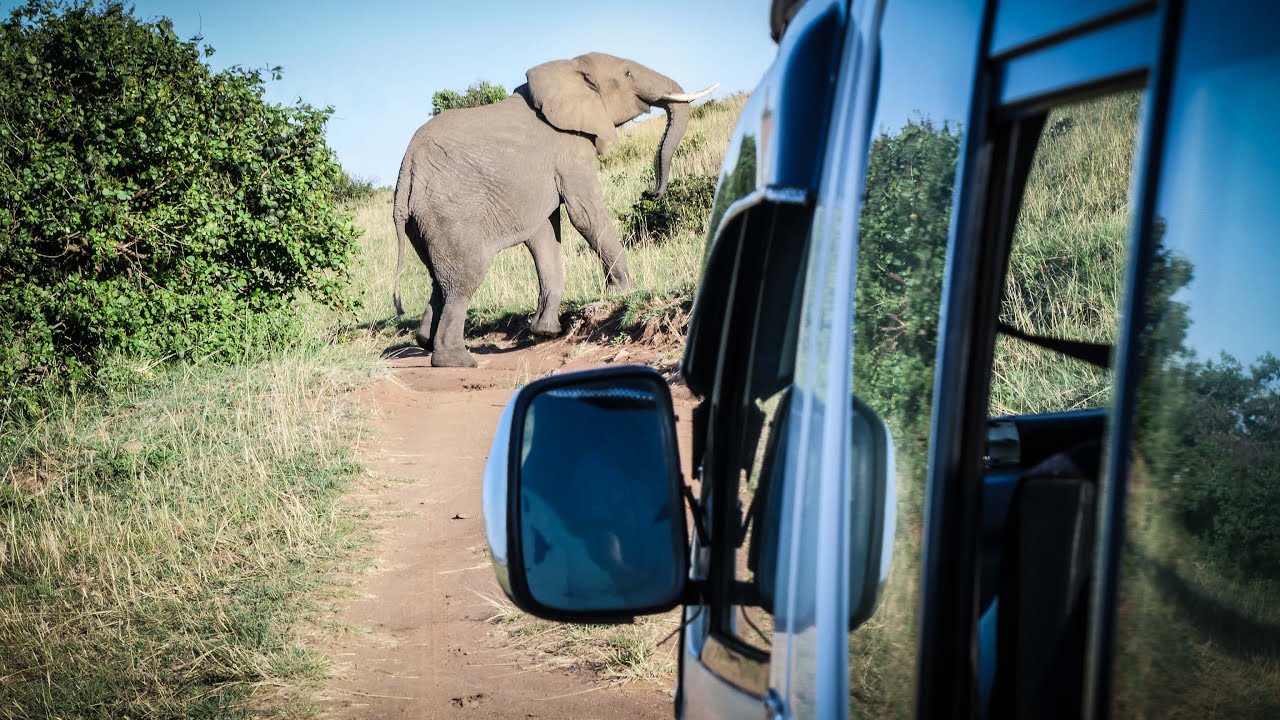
(882, 652)
(1194, 642)
(1064, 280)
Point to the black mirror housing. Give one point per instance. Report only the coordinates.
(583, 502)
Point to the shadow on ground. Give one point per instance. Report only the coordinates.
(601, 321)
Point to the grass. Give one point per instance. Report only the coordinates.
(1067, 262)
(163, 547)
(1064, 281)
(645, 650)
(1194, 640)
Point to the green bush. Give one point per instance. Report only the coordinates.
(481, 93)
(149, 206)
(713, 107)
(683, 208)
(349, 188)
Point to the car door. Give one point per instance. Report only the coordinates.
(741, 359)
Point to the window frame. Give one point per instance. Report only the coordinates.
(1113, 496)
(995, 164)
(753, 232)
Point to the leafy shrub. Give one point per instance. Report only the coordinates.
(627, 151)
(481, 93)
(1208, 427)
(713, 107)
(149, 207)
(683, 208)
(691, 143)
(349, 188)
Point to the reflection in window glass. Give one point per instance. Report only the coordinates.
(1022, 21)
(903, 231)
(759, 502)
(1198, 617)
(769, 318)
(1067, 257)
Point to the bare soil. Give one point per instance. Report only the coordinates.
(425, 643)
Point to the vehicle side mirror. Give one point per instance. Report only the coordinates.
(874, 500)
(583, 501)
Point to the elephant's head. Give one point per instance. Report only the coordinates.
(595, 93)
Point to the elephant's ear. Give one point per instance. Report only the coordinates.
(561, 91)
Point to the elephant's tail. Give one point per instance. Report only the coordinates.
(400, 216)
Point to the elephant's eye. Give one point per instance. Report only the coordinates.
(628, 73)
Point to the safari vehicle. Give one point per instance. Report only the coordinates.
(985, 354)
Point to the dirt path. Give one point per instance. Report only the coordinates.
(432, 652)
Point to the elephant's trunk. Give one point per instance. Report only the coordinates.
(678, 114)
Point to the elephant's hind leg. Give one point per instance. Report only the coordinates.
(426, 332)
(548, 259)
(456, 290)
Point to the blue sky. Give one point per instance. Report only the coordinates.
(378, 63)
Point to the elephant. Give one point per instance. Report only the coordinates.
(475, 181)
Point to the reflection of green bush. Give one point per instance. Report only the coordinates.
(902, 245)
(737, 182)
(1199, 616)
(1209, 429)
(683, 208)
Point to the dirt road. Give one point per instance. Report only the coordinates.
(432, 651)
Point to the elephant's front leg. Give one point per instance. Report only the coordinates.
(548, 259)
(585, 204)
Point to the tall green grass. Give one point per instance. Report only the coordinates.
(1067, 261)
(1063, 281)
(163, 545)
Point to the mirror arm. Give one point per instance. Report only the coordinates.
(696, 593)
(704, 539)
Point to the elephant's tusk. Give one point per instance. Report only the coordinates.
(687, 97)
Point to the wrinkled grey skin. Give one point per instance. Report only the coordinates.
(479, 180)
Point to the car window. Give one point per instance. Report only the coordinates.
(749, 434)
(1197, 625)
(903, 231)
(1066, 261)
(1070, 167)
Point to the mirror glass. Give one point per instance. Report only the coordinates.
(601, 519)
(872, 515)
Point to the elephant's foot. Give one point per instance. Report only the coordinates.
(547, 326)
(622, 284)
(423, 341)
(452, 357)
